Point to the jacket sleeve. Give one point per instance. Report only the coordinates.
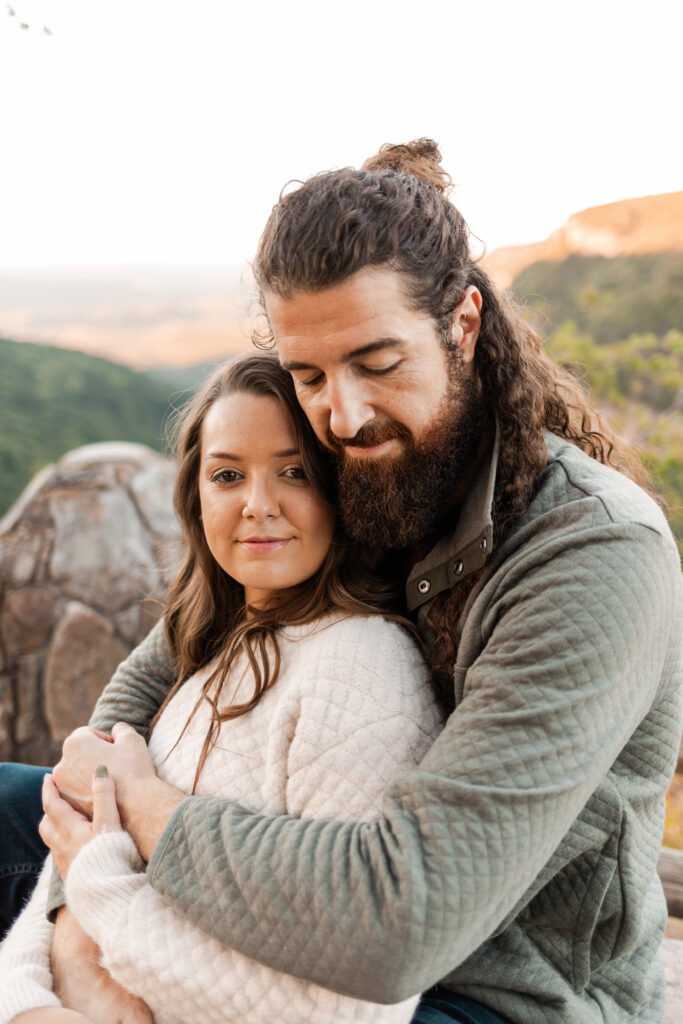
(133, 695)
(575, 643)
(138, 687)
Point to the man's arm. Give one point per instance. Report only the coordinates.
(139, 686)
(134, 694)
(576, 640)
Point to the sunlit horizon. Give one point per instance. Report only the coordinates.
(161, 133)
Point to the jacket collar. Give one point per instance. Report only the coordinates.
(464, 549)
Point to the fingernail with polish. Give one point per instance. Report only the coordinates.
(101, 771)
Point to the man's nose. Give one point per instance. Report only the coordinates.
(348, 408)
(261, 500)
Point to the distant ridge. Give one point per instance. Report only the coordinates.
(53, 400)
(143, 316)
(630, 227)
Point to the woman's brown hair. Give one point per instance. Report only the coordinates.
(395, 213)
(206, 618)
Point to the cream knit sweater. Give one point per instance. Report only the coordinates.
(351, 709)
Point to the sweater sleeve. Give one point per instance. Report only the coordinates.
(576, 640)
(25, 974)
(133, 695)
(362, 712)
(103, 880)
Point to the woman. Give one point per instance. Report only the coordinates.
(299, 692)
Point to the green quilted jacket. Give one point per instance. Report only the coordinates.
(517, 863)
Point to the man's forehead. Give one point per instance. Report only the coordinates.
(370, 309)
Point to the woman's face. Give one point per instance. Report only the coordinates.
(264, 523)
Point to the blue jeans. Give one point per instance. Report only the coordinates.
(438, 1006)
(22, 851)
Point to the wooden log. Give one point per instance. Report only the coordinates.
(670, 869)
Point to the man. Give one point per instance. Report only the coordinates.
(516, 868)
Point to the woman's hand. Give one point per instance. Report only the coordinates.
(84, 985)
(67, 831)
(50, 1015)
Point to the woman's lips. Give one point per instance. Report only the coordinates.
(264, 544)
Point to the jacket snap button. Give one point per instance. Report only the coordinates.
(483, 544)
(458, 568)
(424, 586)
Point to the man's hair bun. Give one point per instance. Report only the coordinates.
(421, 158)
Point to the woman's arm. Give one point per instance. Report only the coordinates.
(25, 975)
(360, 712)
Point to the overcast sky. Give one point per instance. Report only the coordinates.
(159, 131)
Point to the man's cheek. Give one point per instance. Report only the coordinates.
(320, 426)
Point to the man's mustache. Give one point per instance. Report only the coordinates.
(369, 435)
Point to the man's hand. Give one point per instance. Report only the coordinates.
(145, 803)
(124, 753)
(83, 985)
(66, 831)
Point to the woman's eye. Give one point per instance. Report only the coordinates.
(225, 476)
(295, 473)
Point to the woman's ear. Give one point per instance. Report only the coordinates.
(466, 323)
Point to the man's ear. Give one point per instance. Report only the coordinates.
(466, 323)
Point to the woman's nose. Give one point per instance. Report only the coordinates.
(261, 501)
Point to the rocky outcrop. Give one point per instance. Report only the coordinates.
(648, 224)
(86, 555)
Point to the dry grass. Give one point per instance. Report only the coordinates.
(673, 825)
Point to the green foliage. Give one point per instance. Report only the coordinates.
(608, 299)
(666, 466)
(617, 324)
(638, 384)
(644, 368)
(53, 400)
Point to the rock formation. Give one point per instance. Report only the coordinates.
(86, 555)
(648, 224)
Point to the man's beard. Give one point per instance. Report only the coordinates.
(395, 502)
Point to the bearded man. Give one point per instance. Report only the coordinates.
(513, 874)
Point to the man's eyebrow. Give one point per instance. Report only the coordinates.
(365, 350)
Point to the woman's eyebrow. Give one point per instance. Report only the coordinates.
(224, 455)
(286, 453)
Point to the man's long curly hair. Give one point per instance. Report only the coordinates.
(395, 213)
